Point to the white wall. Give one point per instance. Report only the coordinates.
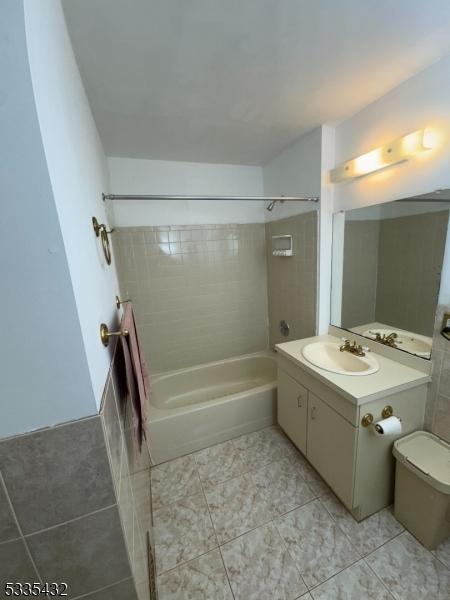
(78, 174)
(44, 372)
(422, 101)
(327, 158)
(295, 172)
(140, 176)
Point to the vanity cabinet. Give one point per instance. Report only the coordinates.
(332, 447)
(293, 410)
(325, 426)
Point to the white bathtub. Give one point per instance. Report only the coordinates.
(196, 407)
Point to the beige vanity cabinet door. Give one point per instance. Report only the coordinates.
(293, 409)
(332, 448)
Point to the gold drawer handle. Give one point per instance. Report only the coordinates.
(105, 334)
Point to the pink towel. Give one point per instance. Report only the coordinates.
(137, 375)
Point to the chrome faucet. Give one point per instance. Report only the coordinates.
(352, 348)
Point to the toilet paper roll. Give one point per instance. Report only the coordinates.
(389, 426)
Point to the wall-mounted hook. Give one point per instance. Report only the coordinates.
(119, 301)
(105, 334)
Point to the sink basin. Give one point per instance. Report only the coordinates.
(326, 355)
(410, 343)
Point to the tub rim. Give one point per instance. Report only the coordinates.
(157, 414)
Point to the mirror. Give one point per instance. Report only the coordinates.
(387, 263)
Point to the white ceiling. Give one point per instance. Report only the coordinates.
(236, 81)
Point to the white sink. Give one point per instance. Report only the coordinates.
(327, 355)
(404, 341)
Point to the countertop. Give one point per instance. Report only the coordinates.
(391, 377)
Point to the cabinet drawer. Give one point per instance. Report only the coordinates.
(342, 405)
(331, 448)
(293, 409)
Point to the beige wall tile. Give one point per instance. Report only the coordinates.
(199, 292)
(359, 284)
(437, 414)
(410, 255)
(292, 281)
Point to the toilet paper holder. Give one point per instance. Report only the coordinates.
(367, 419)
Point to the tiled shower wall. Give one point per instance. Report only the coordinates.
(292, 281)
(359, 281)
(410, 255)
(383, 263)
(199, 292)
(75, 506)
(437, 416)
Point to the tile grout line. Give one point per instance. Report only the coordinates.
(378, 578)
(22, 537)
(94, 512)
(246, 472)
(349, 539)
(273, 516)
(210, 516)
(106, 587)
(416, 540)
(283, 541)
(361, 557)
(209, 513)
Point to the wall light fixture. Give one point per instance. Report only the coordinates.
(397, 151)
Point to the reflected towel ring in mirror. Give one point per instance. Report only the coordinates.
(100, 230)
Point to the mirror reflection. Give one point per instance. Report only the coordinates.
(387, 263)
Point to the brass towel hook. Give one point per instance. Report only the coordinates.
(119, 301)
(99, 226)
(105, 334)
(100, 230)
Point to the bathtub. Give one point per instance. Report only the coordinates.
(197, 407)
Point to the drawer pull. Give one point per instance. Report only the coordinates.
(313, 412)
(299, 401)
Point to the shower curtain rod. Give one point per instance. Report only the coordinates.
(214, 198)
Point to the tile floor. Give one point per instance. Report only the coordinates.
(250, 519)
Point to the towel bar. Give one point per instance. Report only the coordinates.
(105, 334)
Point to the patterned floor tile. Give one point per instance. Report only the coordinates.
(174, 480)
(260, 568)
(203, 578)
(320, 549)
(357, 582)
(219, 463)
(236, 507)
(265, 447)
(316, 484)
(409, 571)
(182, 531)
(367, 535)
(282, 486)
(442, 552)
